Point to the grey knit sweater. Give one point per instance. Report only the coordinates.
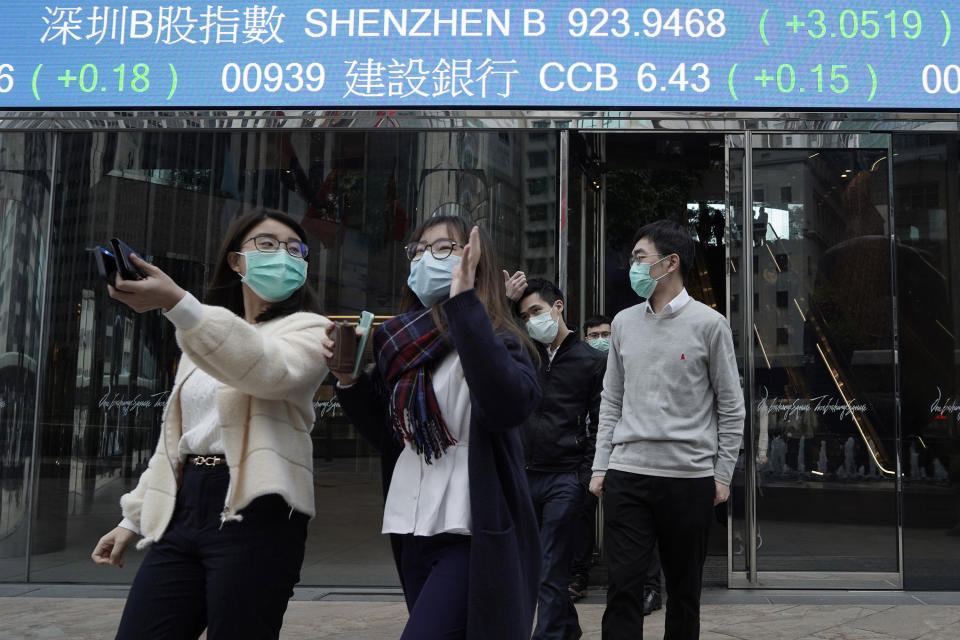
(672, 405)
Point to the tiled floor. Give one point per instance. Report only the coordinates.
(52, 612)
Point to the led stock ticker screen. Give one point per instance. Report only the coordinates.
(782, 54)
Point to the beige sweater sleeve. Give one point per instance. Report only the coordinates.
(270, 361)
(131, 504)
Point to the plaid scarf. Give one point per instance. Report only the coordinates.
(408, 348)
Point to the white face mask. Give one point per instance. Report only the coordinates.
(543, 328)
(600, 344)
(430, 279)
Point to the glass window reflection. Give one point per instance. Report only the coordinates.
(170, 196)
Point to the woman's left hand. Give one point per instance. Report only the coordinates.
(156, 291)
(465, 273)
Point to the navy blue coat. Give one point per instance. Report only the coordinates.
(505, 546)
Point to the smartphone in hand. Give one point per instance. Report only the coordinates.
(106, 264)
(121, 252)
(366, 328)
(344, 349)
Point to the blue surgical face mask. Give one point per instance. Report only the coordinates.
(543, 328)
(274, 275)
(430, 278)
(640, 280)
(601, 344)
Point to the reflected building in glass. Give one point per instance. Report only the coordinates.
(829, 244)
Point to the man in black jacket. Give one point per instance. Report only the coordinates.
(596, 333)
(558, 441)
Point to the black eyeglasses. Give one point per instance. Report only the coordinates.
(269, 244)
(593, 335)
(439, 249)
(637, 257)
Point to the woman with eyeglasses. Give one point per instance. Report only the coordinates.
(224, 502)
(451, 382)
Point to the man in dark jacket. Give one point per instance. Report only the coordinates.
(596, 333)
(558, 442)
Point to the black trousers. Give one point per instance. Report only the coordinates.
(639, 512)
(233, 580)
(584, 544)
(652, 581)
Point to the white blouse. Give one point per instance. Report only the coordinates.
(202, 432)
(428, 499)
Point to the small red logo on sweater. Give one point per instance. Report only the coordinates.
(683, 357)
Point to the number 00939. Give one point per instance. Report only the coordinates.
(271, 77)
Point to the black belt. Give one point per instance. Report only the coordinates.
(206, 461)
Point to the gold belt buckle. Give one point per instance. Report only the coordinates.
(207, 461)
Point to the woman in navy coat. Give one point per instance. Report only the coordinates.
(452, 381)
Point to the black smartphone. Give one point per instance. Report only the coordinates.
(106, 264)
(122, 251)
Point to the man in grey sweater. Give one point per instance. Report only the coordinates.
(671, 422)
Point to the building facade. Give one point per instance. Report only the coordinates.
(827, 236)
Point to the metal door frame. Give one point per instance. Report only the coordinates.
(750, 141)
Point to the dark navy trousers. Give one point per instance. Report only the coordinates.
(584, 539)
(233, 580)
(435, 579)
(557, 500)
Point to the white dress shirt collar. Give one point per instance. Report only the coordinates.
(676, 304)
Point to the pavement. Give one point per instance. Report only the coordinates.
(82, 612)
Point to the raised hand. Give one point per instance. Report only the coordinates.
(465, 273)
(515, 284)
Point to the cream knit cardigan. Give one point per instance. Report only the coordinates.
(267, 376)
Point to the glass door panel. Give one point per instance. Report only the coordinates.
(738, 536)
(823, 382)
(667, 175)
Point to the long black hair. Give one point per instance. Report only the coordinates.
(225, 288)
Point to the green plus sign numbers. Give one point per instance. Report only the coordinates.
(368, 54)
